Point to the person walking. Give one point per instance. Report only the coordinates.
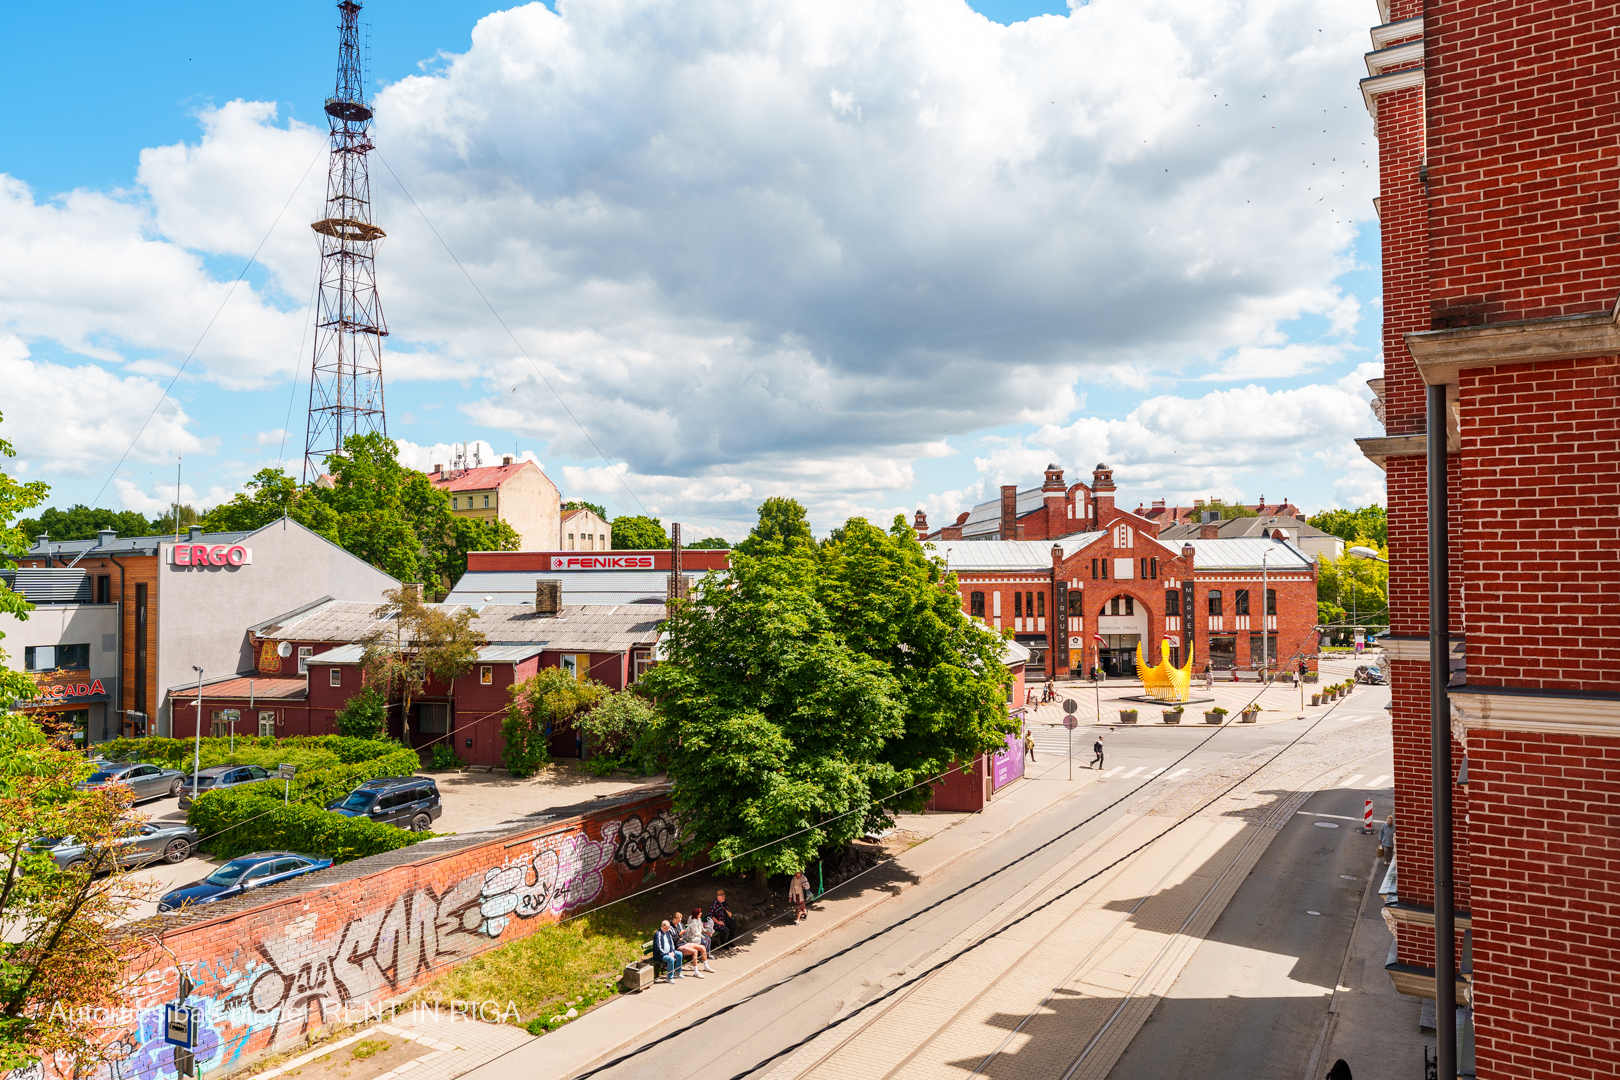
(1097, 749)
(666, 946)
(798, 893)
(1029, 744)
(1386, 838)
(1340, 1071)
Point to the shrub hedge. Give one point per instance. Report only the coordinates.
(240, 821)
(324, 783)
(317, 750)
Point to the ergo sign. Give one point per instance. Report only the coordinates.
(602, 562)
(210, 555)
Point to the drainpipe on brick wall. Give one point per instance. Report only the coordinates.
(1445, 929)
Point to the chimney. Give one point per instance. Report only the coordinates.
(194, 533)
(919, 521)
(1009, 509)
(43, 542)
(105, 537)
(1054, 498)
(954, 531)
(675, 589)
(547, 597)
(1102, 495)
(438, 468)
(1209, 530)
(1018, 532)
(506, 459)
(1207, 516)
(1187, 553)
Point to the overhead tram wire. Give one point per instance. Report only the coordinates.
(198, 344)
(537, 369)
(1131, 793)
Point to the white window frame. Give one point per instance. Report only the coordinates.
(334, 676)
(304, 653)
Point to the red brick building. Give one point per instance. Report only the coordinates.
(1092, 597)
(1499, 151)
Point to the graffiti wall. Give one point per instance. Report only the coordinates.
(268, 976)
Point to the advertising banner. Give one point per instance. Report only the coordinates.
(1007, 764)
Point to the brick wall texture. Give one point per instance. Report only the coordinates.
(1518, 131)
(269, 973)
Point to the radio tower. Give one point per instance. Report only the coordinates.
(346, 380)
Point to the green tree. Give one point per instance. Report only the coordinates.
(15, 497)
(415, 644)
(80, 522)
(271, 495)
(167, 523)
(1232, 510)
(364, 716)
(1369, 524)
(638, 533)
(782, 522)
(617, 728)
(711, 543)
(1353, 592)
(873, 682)
(579, 504)
(541, 705)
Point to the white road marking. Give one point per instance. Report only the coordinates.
(1177, 773)
(1157, 771)
(1351, 782)
(1377, 781)
(1133, 772)
(1112, 771)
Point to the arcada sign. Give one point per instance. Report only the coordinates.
(58, 693)
(210, 555)
(602, 562)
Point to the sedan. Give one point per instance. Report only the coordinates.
(144, 843)
(146, 781)
(219, 777)
(240, 875)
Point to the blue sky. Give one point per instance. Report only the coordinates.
(877, 259)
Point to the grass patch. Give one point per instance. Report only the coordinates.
(366, 1048)
(570, 965)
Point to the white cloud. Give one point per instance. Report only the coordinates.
(783, 245)
(273, 437)
(82, 432)
(160, 500)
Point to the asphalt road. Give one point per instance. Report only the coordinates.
(760, 1028)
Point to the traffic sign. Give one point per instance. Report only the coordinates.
(180, 1023)
(1070, 707)
(185, 1062)
(1071, 722)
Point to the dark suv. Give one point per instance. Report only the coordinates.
(411, 802)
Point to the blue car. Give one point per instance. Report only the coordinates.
(240, 875)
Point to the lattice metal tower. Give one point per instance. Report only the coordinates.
(346, 378)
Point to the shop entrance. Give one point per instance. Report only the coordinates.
(1039, 648)
(1118, 655)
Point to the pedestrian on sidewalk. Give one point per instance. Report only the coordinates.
(725, 923)
(1029, 743)
(798, 892)
(1097, 749)
(1340, 1071)
(666, 948)
(1386, 838)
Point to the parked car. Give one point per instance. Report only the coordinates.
(146, 781)
(147, 842)
(240, 875)
(216, 777)
(1370, 675)
(411, 802)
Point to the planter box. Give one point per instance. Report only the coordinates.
(1312, 676)
(1172, 716)
(1249, 716)
(1214, 718)
(1316, 699)
(1127, 716)
(637, 976)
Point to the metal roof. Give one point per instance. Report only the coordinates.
(508, 654)
(331, 620)
(49, 586)
(1246, 554)
(1244, 527)
(986, 517)
(1014, 555)
(576, 628)
(128, 545)
(482, 478)
(259, 687)
(578, 586)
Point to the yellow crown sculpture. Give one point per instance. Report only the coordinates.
(1164, 681)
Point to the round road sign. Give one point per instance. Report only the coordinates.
(1071, 722)
(1070, 707)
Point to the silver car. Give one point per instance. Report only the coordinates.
(146, 781)
(146, 842)
(219, 777)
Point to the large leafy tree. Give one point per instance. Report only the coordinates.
(792, 721)
(1353, 592)
(15, 498)
(634, 533)
(1368, 525)
(372, 506)
(540, 705)
(580, 504)
(80, 522)
(782, 522)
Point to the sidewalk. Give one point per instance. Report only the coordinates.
(1279, 704)
(486, 1051)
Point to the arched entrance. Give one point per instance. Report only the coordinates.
(1121, 624)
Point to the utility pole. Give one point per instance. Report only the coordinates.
(196, 754)
(346, 377)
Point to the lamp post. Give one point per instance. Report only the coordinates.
(1265, 616)
(196, 754)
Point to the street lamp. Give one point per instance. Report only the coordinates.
(1367, 553)
(196, 755)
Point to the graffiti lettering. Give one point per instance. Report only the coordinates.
(640, 844)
